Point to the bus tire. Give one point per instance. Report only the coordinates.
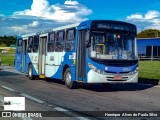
(67, 78)
(30, 72)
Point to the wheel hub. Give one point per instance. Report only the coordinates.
(68, 78)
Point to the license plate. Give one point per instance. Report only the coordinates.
(117, 77)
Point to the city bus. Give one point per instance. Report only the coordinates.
(93, 51)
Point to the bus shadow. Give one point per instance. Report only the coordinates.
(148, 81)
(100, 88)
(116, 87)
(57, 81)
(8, 73)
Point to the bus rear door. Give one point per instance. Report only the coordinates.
(42, 56)
(24, 45)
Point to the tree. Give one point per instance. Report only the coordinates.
(3, 45)
(150, 33)
(7, 40)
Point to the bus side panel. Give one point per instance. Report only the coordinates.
(34, 60)
(66, 59)
(69, 59)
(18, 62)
(29, 60)
(35, 67)
(58, 74)
(54, 65)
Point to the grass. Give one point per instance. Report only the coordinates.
(149, 70)
(7, 59)
(10, 51)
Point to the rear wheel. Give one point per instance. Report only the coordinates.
(30, 72)
(68, 81)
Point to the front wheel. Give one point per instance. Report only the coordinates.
(68, 81)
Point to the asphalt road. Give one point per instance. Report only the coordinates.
(83, 103)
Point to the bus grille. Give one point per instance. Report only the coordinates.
(112, 79)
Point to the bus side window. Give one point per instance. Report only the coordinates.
(60, 35)
(30, 44)
(59, 47)
(30, 49)
(51, 40)
(69, 45)
(50, 47)
(35, 48)
(19, 44)
(35, 44)
(60, 41)
(71, 34)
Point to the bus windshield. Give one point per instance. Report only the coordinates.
(113, 46)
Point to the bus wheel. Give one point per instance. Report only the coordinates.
(67, 78)
(30, 72)
(106, 85)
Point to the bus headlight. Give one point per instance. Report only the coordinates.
(92, 67)
(134, 72)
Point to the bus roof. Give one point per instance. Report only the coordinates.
(52, 30)
(83, 23)
(88, 22)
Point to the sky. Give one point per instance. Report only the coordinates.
(18, 17)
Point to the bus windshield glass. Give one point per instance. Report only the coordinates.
(113, 46)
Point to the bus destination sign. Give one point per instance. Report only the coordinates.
(114, 26)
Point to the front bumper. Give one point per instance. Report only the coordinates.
(95, 77)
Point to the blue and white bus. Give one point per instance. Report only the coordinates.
(93, 51)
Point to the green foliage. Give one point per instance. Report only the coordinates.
(3, 45)
(150, 33)
(7, 59)
(7, 40)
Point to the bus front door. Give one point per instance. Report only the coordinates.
(81, 56)
(42, 56)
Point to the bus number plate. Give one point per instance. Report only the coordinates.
(117, 77)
